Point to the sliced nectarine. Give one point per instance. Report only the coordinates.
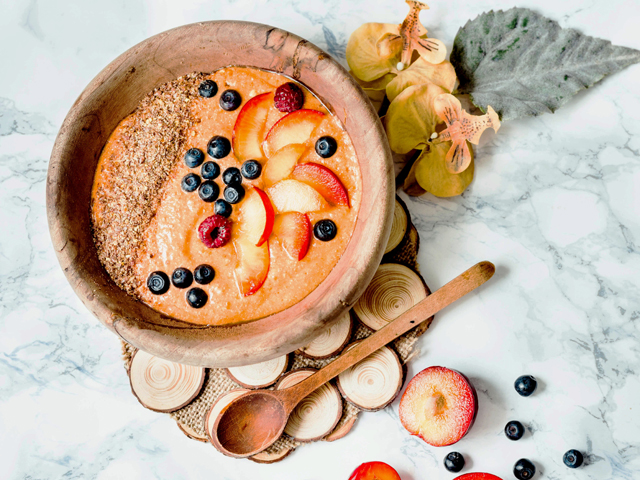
(249, 129)
(282, 163)
(477, 476)
(439, 405)
(294, 196)
(295, 127)
(253, 265)
(255, 220)
(293, 229)
(374, 471)
(324, 181)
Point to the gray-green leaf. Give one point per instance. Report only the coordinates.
(523, 64)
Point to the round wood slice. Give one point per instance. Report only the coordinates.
(393, 290)
(272, 457)
(331, 340)
(191, 433)
(161, 385)
(399, 226)
(341, 430)
(317, 414)
(220, 403)
(260, 375)
(372, 383)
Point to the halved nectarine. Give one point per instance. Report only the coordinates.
(324, 181)
(375, 471)
(477, 476)
(295, 127)
(439, 405)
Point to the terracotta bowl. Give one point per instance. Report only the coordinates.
(115, 93)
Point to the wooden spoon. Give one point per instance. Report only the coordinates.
(255, 420)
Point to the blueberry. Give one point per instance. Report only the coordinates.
(222, 207)
(454, 462)
(196, 297)
(251, 169)
(210, 170)
(194, 157)
(573, 459)
(158, 283)
(190, 182)
(514, 430)
(204, 274)
(524, 469)
(232, 175)
(209, 191)
(230, 100)
(325, 230)
(219, 147)
(182, 278)
(208, 89)
(526, 385)
(326, 146)
(233, 193)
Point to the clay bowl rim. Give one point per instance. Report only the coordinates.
(272, 49)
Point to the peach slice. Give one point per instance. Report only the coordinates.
(295, 127)
(255, 220)
(324, 181)
(294, 196)
(477, 476)
(249, 128)
(293, 229)
(282, 163)
(439, 405)
(374, 471)
(253, 265)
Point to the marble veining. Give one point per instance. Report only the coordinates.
(555, 205)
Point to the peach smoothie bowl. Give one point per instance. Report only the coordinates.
(219, 193)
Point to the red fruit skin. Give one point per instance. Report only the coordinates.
(375, 471)
(324, 181)
(270, 216)
(288, 98)
(208, 225)
(477, 476)
(475, 403)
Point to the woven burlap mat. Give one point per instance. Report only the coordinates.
(191, 418)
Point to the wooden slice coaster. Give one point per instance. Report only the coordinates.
(260, 375)
(331, 340)
(317, 414)
(272, 457)
(341, 431)
(374, 382)
(191, 433)
(218, 405)
(161, 385)
(393, 290)
(399, 226)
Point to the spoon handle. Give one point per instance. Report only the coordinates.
(452, 291)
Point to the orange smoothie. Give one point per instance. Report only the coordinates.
(243, 227)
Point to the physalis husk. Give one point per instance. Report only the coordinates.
(442, 74)
(461, 127)
(411, 118)
(363, 56)
(432, 174)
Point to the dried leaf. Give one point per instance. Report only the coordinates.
(414, 37)
(461, 127)
(524, 64)
(443, 74)
(432, 174)
(411, 118)
(362, 51)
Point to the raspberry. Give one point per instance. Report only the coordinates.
(215, 231)
(288, 97)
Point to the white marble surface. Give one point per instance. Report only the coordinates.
(555, 205)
